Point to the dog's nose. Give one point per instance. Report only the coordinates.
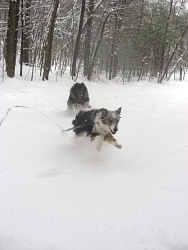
(115, 129)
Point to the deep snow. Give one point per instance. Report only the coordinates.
(59, 193)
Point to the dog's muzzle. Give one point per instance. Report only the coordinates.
(80, 96)
(114, 130)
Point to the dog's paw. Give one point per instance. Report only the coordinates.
(99, 145)
(118, 146)
(77, 107)
(87, 105)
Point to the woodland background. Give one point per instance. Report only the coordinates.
(100, 39)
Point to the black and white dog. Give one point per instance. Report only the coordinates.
(100, 124)
(78, 98)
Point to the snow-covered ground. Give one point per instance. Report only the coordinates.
(59, 193)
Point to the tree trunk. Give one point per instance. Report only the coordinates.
(164, 42)
(116, 47)
(48, 47)
(176, 65)
(113, 49)
(11, 39)
(90, 71)
(172, 55)
(88, 37)
(77, 45)
(22, 27)
(26, 34)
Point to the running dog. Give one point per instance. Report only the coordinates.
(100, 124)
(78, 98)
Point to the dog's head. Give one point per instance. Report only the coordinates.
(110, 119)
(79, 90)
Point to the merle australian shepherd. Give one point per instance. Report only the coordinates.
(100, 124)
(79, 97)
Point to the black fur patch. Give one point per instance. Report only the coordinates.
(84, 121)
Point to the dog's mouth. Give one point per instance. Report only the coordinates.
(80, 96)
(113, 131)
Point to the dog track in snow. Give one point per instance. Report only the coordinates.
(18, 106)
(9, 111)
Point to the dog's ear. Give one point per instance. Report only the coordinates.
(118, 111)
(104, 112)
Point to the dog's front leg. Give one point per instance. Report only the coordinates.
(110, 139)
(99, 139)
(96, 131)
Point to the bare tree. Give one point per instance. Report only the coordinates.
(165, 38)
(25, 33)
(173, 53)
(12, 36)
(94, 55)
(48, 47)
(87, 42)
(77, 45)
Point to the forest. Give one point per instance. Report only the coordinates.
(99, 39)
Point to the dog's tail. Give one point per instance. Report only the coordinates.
(75, 127)
(65, 130)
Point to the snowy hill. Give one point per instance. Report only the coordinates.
(59, 193)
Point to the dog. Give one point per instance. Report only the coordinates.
(78, 98)
(100, 124)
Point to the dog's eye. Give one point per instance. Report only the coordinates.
(110, 120)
